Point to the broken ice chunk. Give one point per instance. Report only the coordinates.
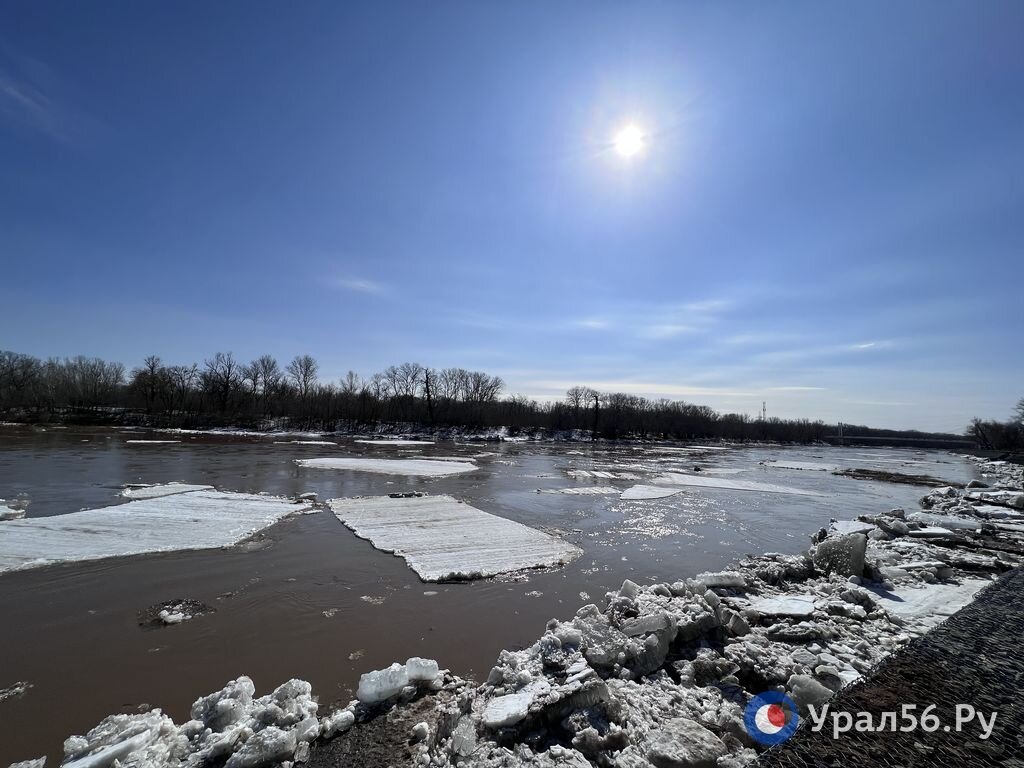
(380, 685)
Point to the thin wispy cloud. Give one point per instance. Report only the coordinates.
(592, 324)
(659, 322)
(360, 285)
(797, 389)
(667, 330)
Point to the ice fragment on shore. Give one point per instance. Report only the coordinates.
(945, 521)
(795, 606)
(843, 527)
(408, 467)
(382, 684)
(722, 579)
(441, 538)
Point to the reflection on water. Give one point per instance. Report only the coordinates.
(311, 600)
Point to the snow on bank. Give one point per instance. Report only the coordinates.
(408, 467)
(699, 481)
(202, 519)
(442, 538)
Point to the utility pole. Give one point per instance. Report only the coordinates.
(764, 411)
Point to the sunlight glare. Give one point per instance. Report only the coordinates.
(629, 141)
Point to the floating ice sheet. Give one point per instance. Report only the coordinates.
(396, 442)
(303, 442)
(643, 492)
(441, 538)
(816, 465)
(151, 442)
(586, 490)
(412, 467)
(673, 478)
(193, 520)
(164, 489)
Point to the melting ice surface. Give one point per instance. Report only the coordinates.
(442, 538)
(198, 519)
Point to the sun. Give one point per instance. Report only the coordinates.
(629, 141)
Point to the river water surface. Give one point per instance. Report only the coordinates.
(309, 599)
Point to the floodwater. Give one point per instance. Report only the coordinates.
(309, 599)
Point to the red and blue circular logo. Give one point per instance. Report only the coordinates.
(771, 718)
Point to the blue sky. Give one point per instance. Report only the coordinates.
(826, 215)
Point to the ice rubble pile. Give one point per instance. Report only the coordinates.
(233, 729)
(660, 675)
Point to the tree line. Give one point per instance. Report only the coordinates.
(1000, 435)
(263, 394)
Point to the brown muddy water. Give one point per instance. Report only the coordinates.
(309, 599)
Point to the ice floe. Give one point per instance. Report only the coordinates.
(10, 512)
(161, 489)
(813, 465)
(585, 490)
(407, 467)
(644, 492)
(203, 519)
(442, 538)
(151, 442)
(396, 442)
(700, 481)
(304, 442)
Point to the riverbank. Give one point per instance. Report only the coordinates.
(659, 674)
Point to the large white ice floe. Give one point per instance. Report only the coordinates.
(700, 481)
(204, 519)
(151, 442)
(408, 467)
(442, 538)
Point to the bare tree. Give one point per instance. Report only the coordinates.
(302, 371)
(222, 377)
